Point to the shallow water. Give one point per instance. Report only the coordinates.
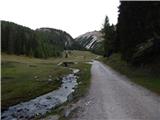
(43, 104)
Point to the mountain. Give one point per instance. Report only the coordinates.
(92, 41)
(42, 42)
(59, 36)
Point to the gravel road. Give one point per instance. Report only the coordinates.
(113, 97)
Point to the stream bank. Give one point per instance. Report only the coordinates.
(45, 103)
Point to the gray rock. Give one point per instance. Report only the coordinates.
(50, 80)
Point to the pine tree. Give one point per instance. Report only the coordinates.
(138, 30)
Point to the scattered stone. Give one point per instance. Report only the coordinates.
(37, 114)
(80, 83)
(50, 80)
(48, 97)
(42, 104)
(18, 110)
(87, 103)
(75, 70)
(35, 77)
(59, 63)
(50, 76)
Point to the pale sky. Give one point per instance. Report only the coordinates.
(73, 16)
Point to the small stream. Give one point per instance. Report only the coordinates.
(45, 103)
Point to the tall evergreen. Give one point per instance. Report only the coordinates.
(42, 43)
(109, 32)
(138, 31)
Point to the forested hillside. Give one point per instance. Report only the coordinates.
(42, 43)
(132, 46)
(137, 32)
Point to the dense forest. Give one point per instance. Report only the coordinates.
(137, 34)
(42, 43)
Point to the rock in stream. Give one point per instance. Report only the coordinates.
(43, 104)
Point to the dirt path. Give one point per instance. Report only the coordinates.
(113, 97)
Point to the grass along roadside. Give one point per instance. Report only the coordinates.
(84, 79)
(141, 76)
(83, 87)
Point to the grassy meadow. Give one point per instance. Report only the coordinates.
(24, 78)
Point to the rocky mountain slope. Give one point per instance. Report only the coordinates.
(92, 41)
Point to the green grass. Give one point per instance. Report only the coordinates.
(21, 82)
(76, 56)
(24, 78)
(84, 79)
(145, 77)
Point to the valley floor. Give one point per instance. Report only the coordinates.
(24, 78)
(111, 96)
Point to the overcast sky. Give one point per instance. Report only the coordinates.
(74, 16)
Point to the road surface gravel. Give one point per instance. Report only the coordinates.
(113, 97)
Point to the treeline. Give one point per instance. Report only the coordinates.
(42, 43)
(137, 34)
(109, 32)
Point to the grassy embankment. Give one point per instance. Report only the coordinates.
(84, 80)
(143, 76)
(24, 78)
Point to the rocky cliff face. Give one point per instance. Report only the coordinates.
(91, 41)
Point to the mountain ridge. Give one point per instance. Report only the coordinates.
(92, 41)
(41, 43)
